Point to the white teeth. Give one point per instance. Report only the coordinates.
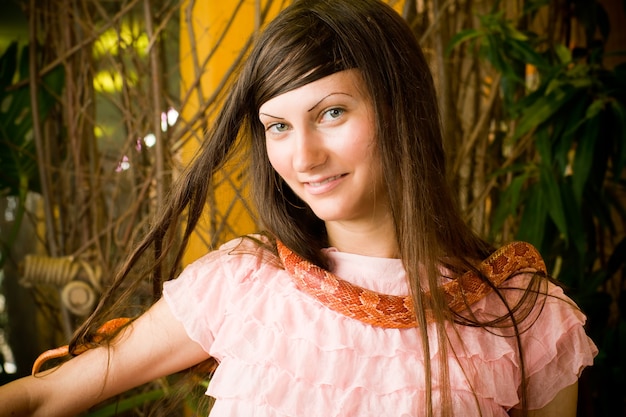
(327, 180)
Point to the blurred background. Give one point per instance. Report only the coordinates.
(103, 101)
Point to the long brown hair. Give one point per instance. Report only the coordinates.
(307, 41)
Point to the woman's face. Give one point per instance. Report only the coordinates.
(320, 139)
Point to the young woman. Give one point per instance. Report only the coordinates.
(367, 295)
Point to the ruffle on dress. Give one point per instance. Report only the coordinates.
(282, 353)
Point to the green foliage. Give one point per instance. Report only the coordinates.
(20, 172)
(506, 48)
(562, 198)
(18, 156)
(136, 400)
(576, 118)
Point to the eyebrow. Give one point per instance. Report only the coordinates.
(312, 108)
(269, 115)
(325, 97)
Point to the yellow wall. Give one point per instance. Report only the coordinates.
(202, 29)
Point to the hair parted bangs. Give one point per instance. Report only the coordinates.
(312, 39)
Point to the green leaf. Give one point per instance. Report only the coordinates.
(581, 70)
(531, 6)
(50, 89)
(575, 113)
(595, 108)
(8, 63)
(525, 53)
(533, 222)
(584, 158)
(619, 157)
(460, 37)
(509, 201)
(574, 219)
(509, 87)
(516, 168)
(543, 145)
(511, 32)
(19, 167)
(18, 106)
(549, 186)
(127, 404)
(552, 197)
(565, 127)
(563, 53)
(492, 50)
(541, 110)
(24, 68)
(556, 85)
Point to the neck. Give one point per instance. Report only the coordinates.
(371, 239)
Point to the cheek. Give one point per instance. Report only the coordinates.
(364, 148)
(277, 157)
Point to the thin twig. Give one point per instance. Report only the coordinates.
(45, 188)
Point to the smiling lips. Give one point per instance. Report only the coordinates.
(326, 181)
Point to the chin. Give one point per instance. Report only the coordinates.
(324, 215)
(329, 215)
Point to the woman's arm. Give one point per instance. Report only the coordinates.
(563, 405)
(155, 345)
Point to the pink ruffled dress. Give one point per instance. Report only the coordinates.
(282, 353)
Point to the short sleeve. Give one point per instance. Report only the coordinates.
(557, 348)
(555, 345)
(199, 297)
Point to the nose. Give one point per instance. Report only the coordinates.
(308, 151)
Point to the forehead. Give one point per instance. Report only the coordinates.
(348, 82)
